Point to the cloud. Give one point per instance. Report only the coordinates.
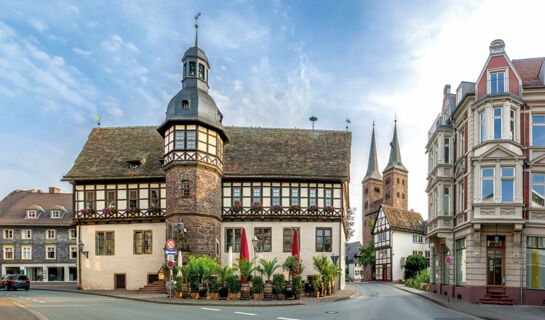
(82, 52)
(38, 25)
(116, 42)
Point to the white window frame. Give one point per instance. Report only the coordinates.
(512, 178)
(446, 196)
(71, 251)
(489, 80)
(482, 126)
(55, 214)
(5, 251)
(23, 234)
(8, 234)
(494, 118)
(493, 178)
(460, 195)
(31, 214)
(532, 124)
(532, 183)
(23, 247)
(48, 232)
(54, 252)
(70, 234)
(461, 143)
(513, 124)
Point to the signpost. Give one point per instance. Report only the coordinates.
(448, 259)
(170, 244)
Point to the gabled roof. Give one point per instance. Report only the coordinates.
(252, 153)
(352, 251)
(529, 70)
(403, 220)
(13, 208)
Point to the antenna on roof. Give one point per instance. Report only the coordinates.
(348, 122)
(313, 119)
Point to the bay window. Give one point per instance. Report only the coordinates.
(538, 130)
(487, 184)
(538, 190)
(497, 123)
(507, 184)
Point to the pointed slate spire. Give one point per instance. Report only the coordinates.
(372, 165)
(395, 154)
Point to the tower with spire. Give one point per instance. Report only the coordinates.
(194, 138)
(396, 177)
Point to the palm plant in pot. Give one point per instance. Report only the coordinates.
(292, 266)
(257, 287)
(234, 286)
(184, 286)
(223, 273)
(246, 269)
(213, 287)
(315, 281)
(267, 268)
(279, 285)
(320, 264)
(297, 286)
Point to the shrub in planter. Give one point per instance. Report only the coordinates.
(234, 286)
(414, 264)
(257, 287)
(213, 287)
(316, 284)
(297, 286)
(279, 285)
(223, 273)
(267, 269)
(178, 287)
(194, 285)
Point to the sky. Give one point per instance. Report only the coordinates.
(273, 64)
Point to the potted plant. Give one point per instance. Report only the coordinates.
(234, 286)
(256, 207)
(267, 268)
(320, 264)
(178, 287)
(276, 208)
(184, 286)
(213, 287)
(223, 273)
(313, 208)
(292, 266)
(246, 268)
(329, 208)
(295, 208)
(297, 286)
(315, 281)
(257, 287)
(279, 285)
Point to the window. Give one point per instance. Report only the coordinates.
(191, 139)
(179, 139)
(26, 252)
(185, 188)
(73, 252)
(237, 194)
(446, 201)
(142, 242)
(55, 214)
(73, 234)
(256, 196)
(192, 68)
(461, 197)
(535, 263)
(50, 252)
(264, 239)
(487, 184)
(446, 154)
(8, 234)
(482, 118)
(538, 130)
(497, 123)
(323, 240)
(185, 139)
(446, 270)
(110, 199)
(26, 234)
(461, 262)
(288, 238)
(201, 71)
(329, 197)
(507, 184)
(538, 190)
(185, 69)
(435, 273)
(461, 143)
(104, 243)
(232, 239)
(497, 82)
(50, 234)
(312, 197)
(418, 238)
(275, 196)
(154, 198)
(8, 252)
(31, 214)
(90, 200)
(133, 199)
(512, 124)
(294, 199)
(418, 252)
(185, 104)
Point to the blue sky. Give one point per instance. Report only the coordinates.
(273, 64)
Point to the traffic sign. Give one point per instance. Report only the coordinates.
(171, 257)
(170, 244)
(448, 259)
(169, 252)
(170, 264)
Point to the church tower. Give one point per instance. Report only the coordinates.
(193, 160)
(396, 177)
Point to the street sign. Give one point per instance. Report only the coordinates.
(170, 244)
(448, 259)
(169, 252)
(171, 257)
(170, 264)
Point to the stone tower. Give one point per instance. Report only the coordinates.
(396, 177)
(193, 160)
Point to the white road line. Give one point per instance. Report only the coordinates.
(282, 318)
(210, 309)
(40, 301)
(246, 313)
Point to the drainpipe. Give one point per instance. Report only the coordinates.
(521, 265)
(454, 213)
(525, 144)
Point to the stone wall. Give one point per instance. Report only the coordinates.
(396, 189)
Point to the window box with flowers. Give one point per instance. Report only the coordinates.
(256, 207)
(329, 208)
(276, 208)
(154, 210)
(313, 208)
(108, 212)
(295, 208)
(236, 207)
(87, 212)
(133, 211)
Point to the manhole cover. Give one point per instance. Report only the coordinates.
(331, 312)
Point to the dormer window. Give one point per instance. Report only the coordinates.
(192, 68)
(497, 82)
(185, 104)
(134, 164)
(201, 71)
(31, 214)
(55, 214)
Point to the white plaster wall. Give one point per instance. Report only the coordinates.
(403, 246)
(97, 272)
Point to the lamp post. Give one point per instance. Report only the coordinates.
(254, 243)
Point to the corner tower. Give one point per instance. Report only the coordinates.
(396, 186)
(193, 160)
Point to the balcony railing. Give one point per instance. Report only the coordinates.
(114, 215)
(303, 213)
(442, 120)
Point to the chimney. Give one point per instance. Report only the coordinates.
(40, 191)
(33, 190)
(54, 190)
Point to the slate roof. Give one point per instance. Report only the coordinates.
(352, 250)
(252, 153)
(404, 220)
(13, 208)
(529, 69)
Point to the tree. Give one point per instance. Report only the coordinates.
(414, 264)
(367, 254)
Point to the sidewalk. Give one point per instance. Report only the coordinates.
(350, 291)
(484, 311)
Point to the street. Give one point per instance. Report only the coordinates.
(376, 301)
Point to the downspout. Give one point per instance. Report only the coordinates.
(454, 213)
(524, 208)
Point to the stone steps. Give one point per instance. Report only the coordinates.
(496, 296)
(154, 287)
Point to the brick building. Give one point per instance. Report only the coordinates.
(486, 185)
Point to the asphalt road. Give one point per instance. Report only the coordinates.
(376, 301)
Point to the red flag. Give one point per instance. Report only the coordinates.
(244, 252)
(295, 247)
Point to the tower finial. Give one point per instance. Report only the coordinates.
(197, 29)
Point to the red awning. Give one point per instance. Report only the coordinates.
(295, 247)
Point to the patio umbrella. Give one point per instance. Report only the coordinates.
(295, 247)
(244, 252)
(230, 257)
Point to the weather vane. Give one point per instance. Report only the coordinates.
(348, 122)
(197, 29)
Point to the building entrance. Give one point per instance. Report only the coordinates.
(495, 260)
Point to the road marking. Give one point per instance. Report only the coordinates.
(282, 318)
(210, 309)
(246, 313)
(37, 314)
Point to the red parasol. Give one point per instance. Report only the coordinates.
(295, 247)
(244, 252)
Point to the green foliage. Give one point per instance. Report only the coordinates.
(246, 268)
(320, 263)
(223, 272)
(315, 281)
(268, 267)
(257, 284)
(213, 285)
(279, 283)
(201, 267)
(423, 276)
(178, 287)
(194, 282)
(420, 281)
(413, 264)
(297, 284)
(328, 271)
(291, 265)
(233, 282)
(367, 255)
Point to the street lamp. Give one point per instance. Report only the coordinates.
(80, 247)
(254, 243)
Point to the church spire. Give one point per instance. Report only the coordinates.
(197, 30)
(372, 164)
(395, 153)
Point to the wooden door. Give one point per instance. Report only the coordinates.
(495, 267)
